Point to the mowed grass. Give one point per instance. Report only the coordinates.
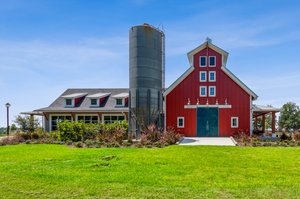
(55, 171)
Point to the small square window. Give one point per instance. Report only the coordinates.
(212, 76)
(202, 91)
(234, 122)
(202, 61)
(203, 76)
(69, 102)
(212, 61)
(212, 91)
(94, 102)
(180, 122)
(119, 102)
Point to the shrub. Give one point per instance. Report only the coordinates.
(170, 136)
(150, 135)
(284, 136)
(11, 140)
(296, 136)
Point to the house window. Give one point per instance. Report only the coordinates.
(202, 91)
(212, 61)
(203, 76)
(180, 122)
(69, 102)
(212, 91)
(202, 61)
(119, 102)
(87, 118)
(212, 76)
(234, 122)
(55, 119)
(94, 102)
(113, 118)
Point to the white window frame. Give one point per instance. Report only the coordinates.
(72, 102)
(125, 119)
(237, 122)
(205, 91)
(97, 100)
(203, 72)
(87, 115)
(209, 61)
(122, 101)
(214, 87)
(200, 61)
(212, 72)
(180, 118)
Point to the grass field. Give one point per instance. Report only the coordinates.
(54, 171)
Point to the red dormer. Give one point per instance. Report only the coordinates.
(121, 99)
(98, 99)
(73, 100)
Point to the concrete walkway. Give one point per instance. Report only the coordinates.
(214, 141)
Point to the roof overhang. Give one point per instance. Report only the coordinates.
(74, 95)
(259, 110)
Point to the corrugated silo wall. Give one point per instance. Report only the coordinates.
(146, 77)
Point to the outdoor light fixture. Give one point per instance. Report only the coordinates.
(7, 111)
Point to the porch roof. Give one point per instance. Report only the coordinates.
(259, 110)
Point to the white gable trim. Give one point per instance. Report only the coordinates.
(179, 80)
(209, 45)
(239, 82)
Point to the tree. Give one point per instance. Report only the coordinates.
(27, 123)
(289, 118)
(13, 127)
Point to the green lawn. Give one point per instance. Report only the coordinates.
(54, 171)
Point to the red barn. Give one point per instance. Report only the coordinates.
(208, 100)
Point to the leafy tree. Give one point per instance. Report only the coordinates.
(13, 127)
(27, 123)
(289, 118)
(2, 130)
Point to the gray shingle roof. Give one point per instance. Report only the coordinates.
(85, 105)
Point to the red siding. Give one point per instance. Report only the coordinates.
(226, 88)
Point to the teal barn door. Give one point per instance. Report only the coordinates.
(207, 122)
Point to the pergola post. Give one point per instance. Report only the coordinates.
(255, 123)
(263, 123)
(273, 122)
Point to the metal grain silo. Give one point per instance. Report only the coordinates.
(146, 77)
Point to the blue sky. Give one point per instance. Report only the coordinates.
(51, 45)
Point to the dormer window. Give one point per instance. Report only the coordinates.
(94, 102)
(202, 61)
(69, 102)
(121, 98)
(212, 61)
(119, 102)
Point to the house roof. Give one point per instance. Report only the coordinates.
(121, 95)
(85, 106)
(224, 54)
(98, 95)
(74, 95)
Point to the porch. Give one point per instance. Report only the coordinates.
(260, 114)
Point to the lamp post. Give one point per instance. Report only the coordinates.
(7, 109)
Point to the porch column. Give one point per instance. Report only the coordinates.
(255, 123)
(263, 123)
(273, 122)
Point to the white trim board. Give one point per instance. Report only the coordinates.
(207, 106)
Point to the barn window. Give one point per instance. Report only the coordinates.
(212, 91)
(234, 122)
(94, 102)
(202, 91)
(69, 102)
(180, 122)
(202, 61)
(212, 61)
(119, 102)
(203, 76)
(212, 76)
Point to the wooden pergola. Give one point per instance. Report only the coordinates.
(261, 112)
